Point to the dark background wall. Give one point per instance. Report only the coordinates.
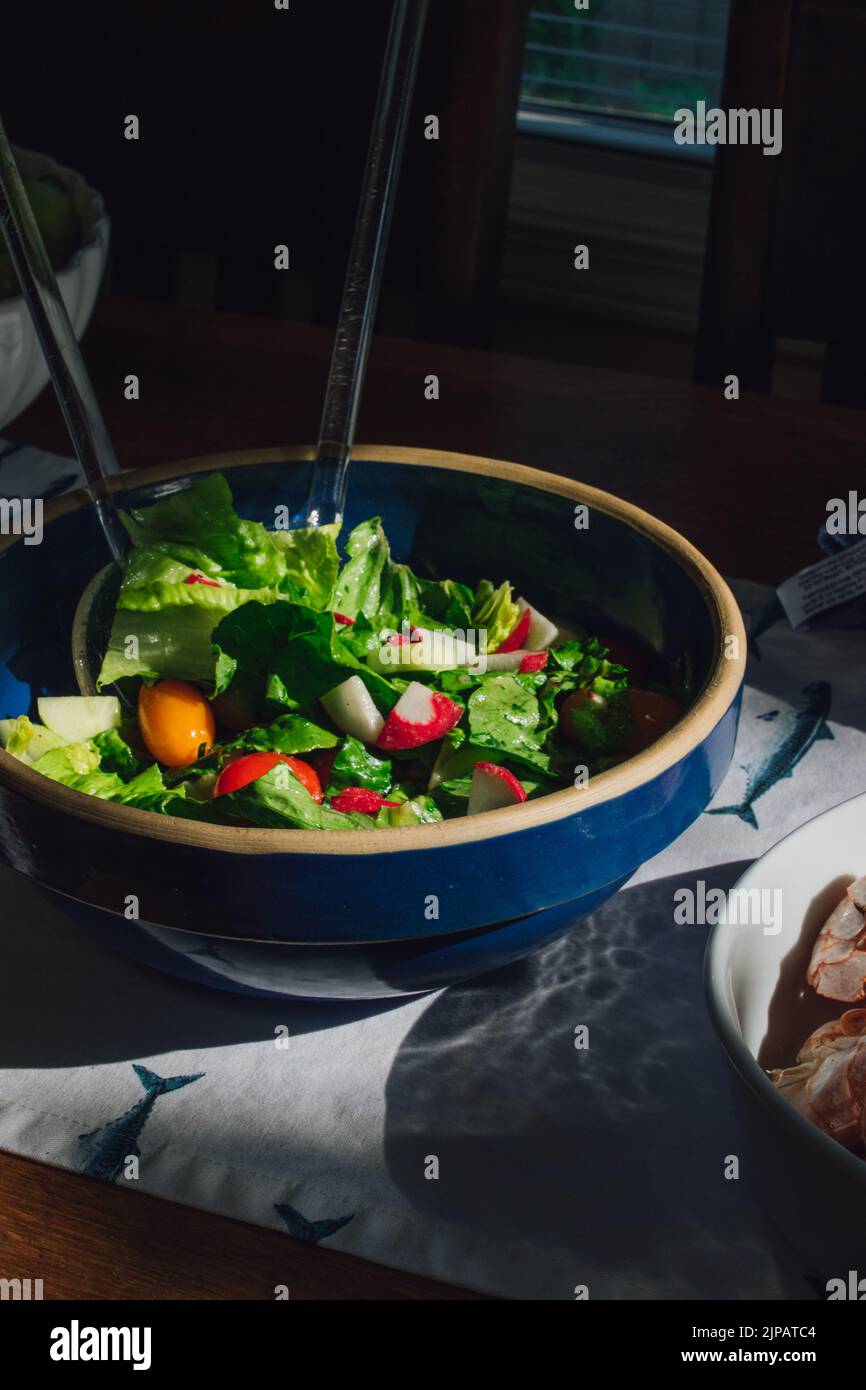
(254, 126)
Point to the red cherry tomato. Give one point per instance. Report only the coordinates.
(322, 762)
(652, 715)
(252, 766)
(624, 654)
(576, 700)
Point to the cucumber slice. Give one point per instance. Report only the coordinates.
(79, 717)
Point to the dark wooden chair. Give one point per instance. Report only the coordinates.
(785, 245)
(254, 127)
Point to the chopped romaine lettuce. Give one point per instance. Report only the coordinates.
(174, 642)
(255, 619)
(203, 518)
(387, 594)
(27, 741)
(495, 612)
(359, 584)
(312, 563)
(77, 766)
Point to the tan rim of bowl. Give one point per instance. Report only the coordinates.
(711, 704)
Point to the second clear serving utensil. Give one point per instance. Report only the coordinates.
(366, 262)
(69, 375)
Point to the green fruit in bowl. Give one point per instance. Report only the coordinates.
(57, 221)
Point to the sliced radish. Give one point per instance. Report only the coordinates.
(419, 716)
(518, 634)
(423, 650)
(79, 717)
(542, 632)
(351, 707)
(361, 799)
(492, 788)
(519, 660)
(533, 661)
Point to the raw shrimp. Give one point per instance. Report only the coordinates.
(828, 1083)
(838, 965)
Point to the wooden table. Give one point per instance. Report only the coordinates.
(748, 481)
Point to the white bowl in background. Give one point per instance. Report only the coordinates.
(23, 371)
(813, 1189)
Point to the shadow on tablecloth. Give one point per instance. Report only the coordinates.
(615, 1154)
(66, 1001)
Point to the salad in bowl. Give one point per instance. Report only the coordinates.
(263, 677)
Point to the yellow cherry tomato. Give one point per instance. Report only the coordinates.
(176, 722)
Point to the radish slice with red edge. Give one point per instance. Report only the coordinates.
(419, 716)
(492, 788)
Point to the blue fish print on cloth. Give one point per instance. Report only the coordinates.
(310, 1232)
(106, 1149)
(798, 728)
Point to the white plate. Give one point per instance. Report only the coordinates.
(23, 372)
(815, 1189)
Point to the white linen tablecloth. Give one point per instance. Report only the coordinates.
(557, 1167)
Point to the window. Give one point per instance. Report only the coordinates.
(616, 72)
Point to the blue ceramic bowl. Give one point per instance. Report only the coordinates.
(381, 913)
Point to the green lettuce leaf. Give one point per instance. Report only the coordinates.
(279, 801)
(312, 563)
(587, 663)
(422, 810)
(115, 755)
(386, 593)
(154, 579)
(504, 715)
(291, 733)
(600, 727)
(202, 519)
(173, 642)
(59, 767)
(162, 564)
(219, 601)
(355, 766)
(146, 791)
(445, 603)
(503, 711)
(298, 653)
(27, 741)
(359, 584)
(496, 611)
